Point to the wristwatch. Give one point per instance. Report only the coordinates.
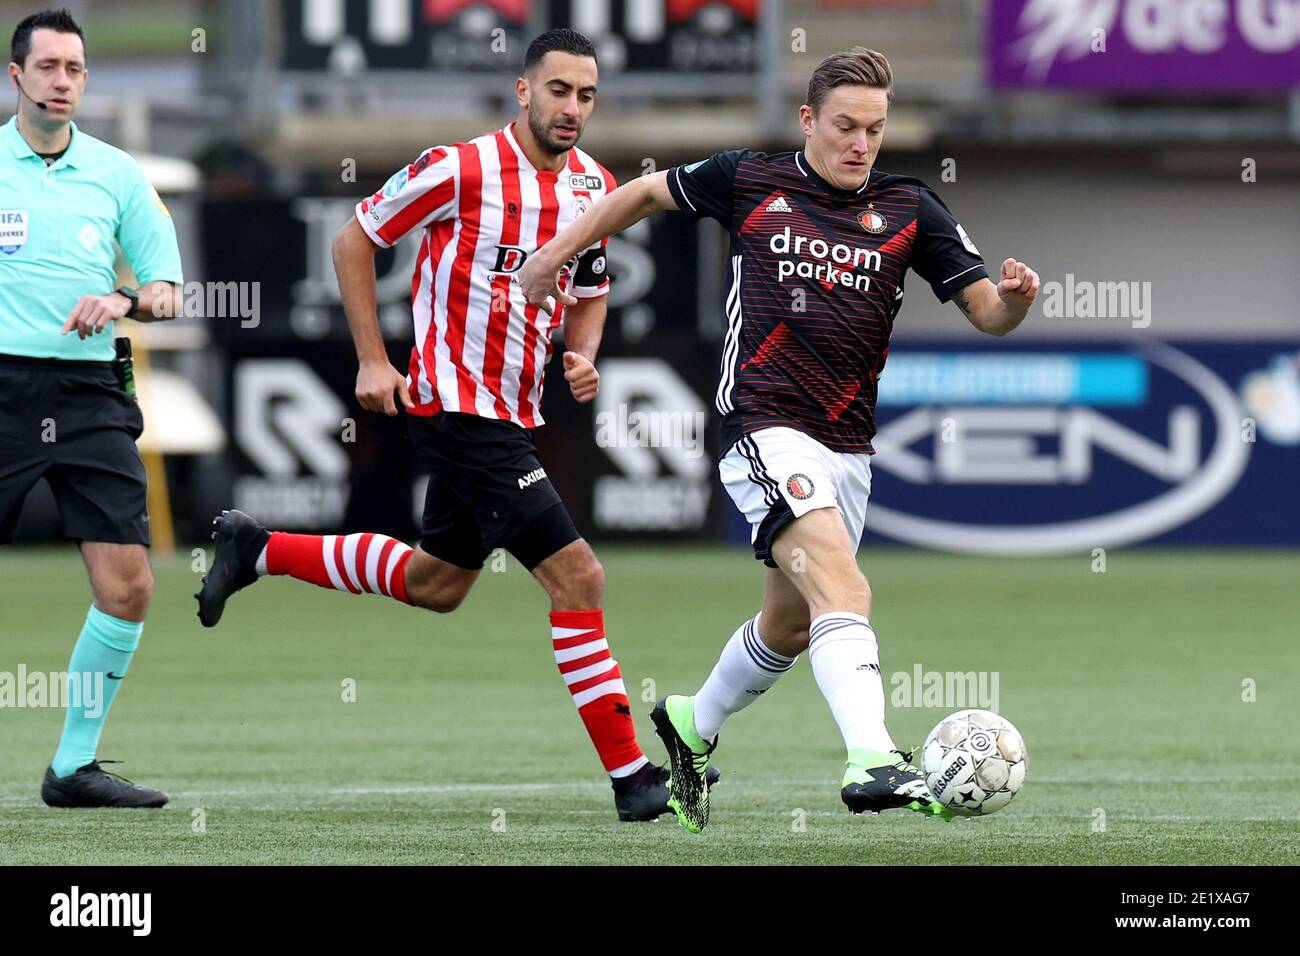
(134, 296)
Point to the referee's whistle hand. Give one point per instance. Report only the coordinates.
(92, 313)
(377, 383)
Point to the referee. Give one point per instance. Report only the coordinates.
(67, 408)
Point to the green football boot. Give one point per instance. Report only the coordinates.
(688, 760)
(875, 780)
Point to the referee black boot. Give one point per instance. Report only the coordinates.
(92, 786)
(240, 540)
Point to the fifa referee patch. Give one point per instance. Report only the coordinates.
(13, 230)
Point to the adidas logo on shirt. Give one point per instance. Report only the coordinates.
(779, 205)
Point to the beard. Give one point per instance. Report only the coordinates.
(542, 134)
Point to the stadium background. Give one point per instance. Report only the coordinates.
(1172, 158)
(1135, 174)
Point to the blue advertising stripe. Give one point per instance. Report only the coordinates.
(1208, 458)
(921, 378)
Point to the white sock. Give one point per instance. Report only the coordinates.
(746, 669)
(260, 567)
(628, 769)
(846, 663)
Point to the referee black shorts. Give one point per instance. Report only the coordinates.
(72, 424)
(487, 490)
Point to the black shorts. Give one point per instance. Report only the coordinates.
(74, 425)
(487, 490)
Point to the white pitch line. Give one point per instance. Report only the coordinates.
(29, 800)
(723, 815)
(25, 795)
(362, 791)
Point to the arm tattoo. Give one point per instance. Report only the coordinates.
(959, 297)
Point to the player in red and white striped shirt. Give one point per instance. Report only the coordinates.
(482, 206)
(473, 389)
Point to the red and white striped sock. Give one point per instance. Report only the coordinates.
(360, 563)
(593, 678)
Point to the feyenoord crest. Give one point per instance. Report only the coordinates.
(799, 486)
(872, 221)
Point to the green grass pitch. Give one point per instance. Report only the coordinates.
(463, 747)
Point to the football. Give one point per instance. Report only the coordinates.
(974, 762)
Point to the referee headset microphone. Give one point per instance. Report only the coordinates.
(18, 83)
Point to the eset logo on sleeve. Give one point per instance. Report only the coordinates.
(13, 230)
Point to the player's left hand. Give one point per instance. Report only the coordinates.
(583, 379)
(1019, 285)
(92, 313)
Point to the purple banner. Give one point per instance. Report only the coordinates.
(1138, 46)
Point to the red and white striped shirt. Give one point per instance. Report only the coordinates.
(483, 207)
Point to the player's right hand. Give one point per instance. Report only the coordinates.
(540, 281)
(376, 384)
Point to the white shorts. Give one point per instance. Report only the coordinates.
(775, 475)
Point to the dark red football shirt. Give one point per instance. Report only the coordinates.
(814, 283)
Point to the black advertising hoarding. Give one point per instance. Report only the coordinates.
(411, 35)
(284, 245)
(656, 36)
(638, 461)
(667, 36)
(306, 457)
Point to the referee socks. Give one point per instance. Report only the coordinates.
(99, 661)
